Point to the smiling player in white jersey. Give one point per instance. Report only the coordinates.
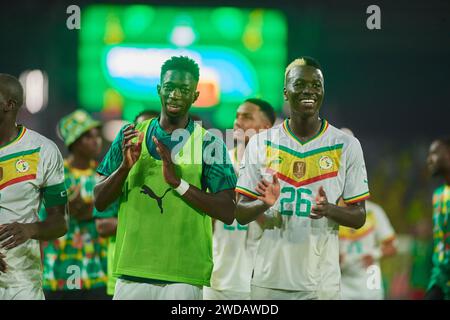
(312, 165)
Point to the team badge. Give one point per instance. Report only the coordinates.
(325, 163)
(299, 169)
(22, 166)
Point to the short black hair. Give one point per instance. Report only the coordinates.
(303, 61)
(181, 63)
(146, 112)
(265, 107)
(11, 88)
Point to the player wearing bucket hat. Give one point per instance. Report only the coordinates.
(81, 251)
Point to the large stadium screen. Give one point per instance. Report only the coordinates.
(241, 53)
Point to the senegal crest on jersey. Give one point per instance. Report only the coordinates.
(18, 167)
(299, 169)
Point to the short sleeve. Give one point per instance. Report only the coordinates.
(250, 169)
(110, 212)
(53, 187)
(113, 157)
(218, 172)
(383, 228)
(356, 187)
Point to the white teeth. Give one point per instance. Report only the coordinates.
(307, 101)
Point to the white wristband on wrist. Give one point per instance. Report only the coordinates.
(182, 188)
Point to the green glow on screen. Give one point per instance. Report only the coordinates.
(241, 54)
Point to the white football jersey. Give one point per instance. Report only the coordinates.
(303, 253)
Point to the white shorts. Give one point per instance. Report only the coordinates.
(212, 294)
(260, 293)
(130, 290)
(22, 293)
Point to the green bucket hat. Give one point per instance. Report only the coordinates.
(72, 126)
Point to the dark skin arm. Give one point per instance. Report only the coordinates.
(352, 215)
(248, 209)
(110, 188)
(53, 227)
(219, 205)
(106, 227)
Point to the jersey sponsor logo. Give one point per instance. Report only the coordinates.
(325, 163)
(149, 192)
(299, 169)
(22, 166)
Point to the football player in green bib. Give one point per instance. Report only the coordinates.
(171, 177)
(439, 165)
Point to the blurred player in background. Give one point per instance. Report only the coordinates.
(106, 221)
(75, 264)
(295, 172)
(439, 165)
(361, 250)
(31, 172)
(164, 232)
(234, 246)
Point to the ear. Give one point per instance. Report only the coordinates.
(196, 94)
(158, 89)
(285, 94)
(10, 105)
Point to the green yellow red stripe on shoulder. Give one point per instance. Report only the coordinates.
(290, 133)
(247, 192)
(358, 198)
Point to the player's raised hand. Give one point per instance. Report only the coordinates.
(3, 266)
(322, 206)
(169, 173)
(130, 150)
(269, 192)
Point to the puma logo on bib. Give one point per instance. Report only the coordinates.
(146, 190)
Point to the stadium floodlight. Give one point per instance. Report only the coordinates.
(35, 84)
